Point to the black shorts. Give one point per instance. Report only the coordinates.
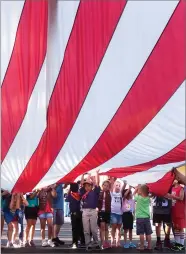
(31, 213)
(159, 218)
(128, 220)
(103, 217)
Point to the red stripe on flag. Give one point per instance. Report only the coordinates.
(163, 185)
(94, 26)
(23, 70)
(160, 77)
(177, 154)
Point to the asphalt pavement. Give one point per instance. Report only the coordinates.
(66, 236)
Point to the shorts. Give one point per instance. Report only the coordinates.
(10, 216)
(31, 213)
(143, 226)
(58, 217)
(103, 217)
(128, 220)
(159, 218)
(115, 218)
(45, 215)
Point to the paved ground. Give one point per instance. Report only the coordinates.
(65, 235)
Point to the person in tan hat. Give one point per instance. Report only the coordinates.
(89, 196)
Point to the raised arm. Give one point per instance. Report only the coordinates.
(136, 190)
(124, 186)
(53, 191)
(127, 192)
(82, 180)
(112, 182)
(25, 202)
(97, 178)
(34, 194)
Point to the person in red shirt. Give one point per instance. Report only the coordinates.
(45, 214)
(178, 214)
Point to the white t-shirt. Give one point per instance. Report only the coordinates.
(116, 202)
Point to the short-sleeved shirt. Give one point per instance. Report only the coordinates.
(91, 200)
(142, 207)
(128, 205)
(161, 205)
(32, 202)
(74, 204)
(57, 203)
(116, 203)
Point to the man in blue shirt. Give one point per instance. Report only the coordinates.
(58, 219)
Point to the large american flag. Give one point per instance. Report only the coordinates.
(91, 84)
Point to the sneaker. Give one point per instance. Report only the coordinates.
(9, 245)
(175, 248)
(32, 244)
(106, 245)
(180, 246)
(51, 243)
(74, 246)
(44, 243)
(58, 241)
(26, 245)
(15, 245)
(21, 244)
(126, 246)
(132, 245)
(158, 245)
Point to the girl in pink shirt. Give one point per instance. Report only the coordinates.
(128, 209)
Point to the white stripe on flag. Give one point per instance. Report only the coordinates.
(34, 123)
(130, 44)
(162, 134)
(150, 176)
(10, 16)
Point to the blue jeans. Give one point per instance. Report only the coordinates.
(115, 219)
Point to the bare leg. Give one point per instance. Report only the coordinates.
(149, 242)
(125, 235)
(10, 231)
(130, 235)
(142, 242)
(27, 230)
(50, 228)
(56, 230)
(43, 225)
(15, 231)
(32, 229)
(106, 232)
(113, 232)
(118, 228)
(102, 232)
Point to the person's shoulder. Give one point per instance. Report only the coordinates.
(97, 188)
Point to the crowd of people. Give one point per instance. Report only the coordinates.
(92, 206)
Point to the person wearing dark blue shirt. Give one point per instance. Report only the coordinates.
(73, 198)
(89, 195)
